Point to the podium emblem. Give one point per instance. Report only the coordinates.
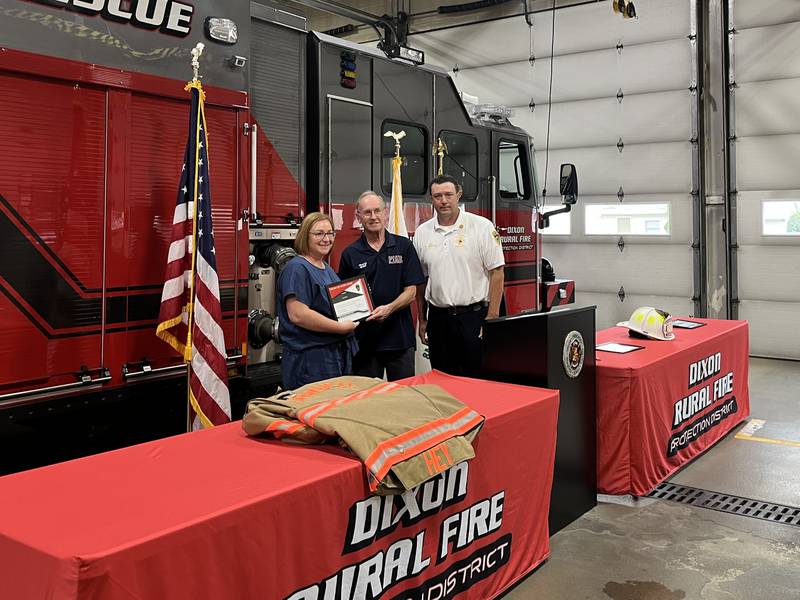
(573, 353)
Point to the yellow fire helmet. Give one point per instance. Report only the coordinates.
(651, 323)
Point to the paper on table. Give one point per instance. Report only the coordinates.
(618, 348)
(680, 323)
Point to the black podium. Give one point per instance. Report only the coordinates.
(555, 350)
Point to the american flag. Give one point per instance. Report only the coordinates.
(195, 329)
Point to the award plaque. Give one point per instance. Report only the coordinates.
(350, 299)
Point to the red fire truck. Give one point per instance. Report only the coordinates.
(93, 121)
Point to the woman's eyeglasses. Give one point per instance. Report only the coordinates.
(323, 234)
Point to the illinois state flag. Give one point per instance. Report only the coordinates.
(397, 219)
(190, 319)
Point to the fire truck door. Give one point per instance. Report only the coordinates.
(52, 199)
(513, 214)
(349, 157)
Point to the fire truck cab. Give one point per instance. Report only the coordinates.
(93, 120)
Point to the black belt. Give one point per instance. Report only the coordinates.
(458, 310)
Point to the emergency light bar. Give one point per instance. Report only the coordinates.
(222, 30)
(406, 53)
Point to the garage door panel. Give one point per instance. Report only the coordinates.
(639, 269)
(600, 29)
(774, 327)
(768, 108)
(611, 311)
(643, 118)
(765, 53)
(582, 76)
(752, 14)
(639, 169)
(769, 272)
(768, 162)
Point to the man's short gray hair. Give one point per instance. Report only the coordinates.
(367, 194)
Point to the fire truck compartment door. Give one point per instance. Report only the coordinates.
(51, 226)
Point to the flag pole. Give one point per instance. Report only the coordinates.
(187, 356)
(396, 217)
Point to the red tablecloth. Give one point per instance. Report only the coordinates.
(660, 407)
(214, 514)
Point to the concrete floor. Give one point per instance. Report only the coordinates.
(644, 549)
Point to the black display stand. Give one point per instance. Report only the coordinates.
(529, 350)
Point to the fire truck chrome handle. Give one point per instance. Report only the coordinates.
(28, 396)
(253, 169)
(146, 371)
(493, 196)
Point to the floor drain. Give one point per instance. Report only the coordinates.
(735, 505)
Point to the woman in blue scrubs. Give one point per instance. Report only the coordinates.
(315, 345)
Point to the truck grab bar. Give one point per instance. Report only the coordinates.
(253, 170)
(493, 196)
(147, 372)
(34, 395)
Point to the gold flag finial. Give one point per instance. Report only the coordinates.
(441, 150)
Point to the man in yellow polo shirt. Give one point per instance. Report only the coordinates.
(462, 258)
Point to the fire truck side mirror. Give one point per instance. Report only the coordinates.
(569, 183)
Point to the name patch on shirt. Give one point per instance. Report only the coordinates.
(395, 259)
(362, 265)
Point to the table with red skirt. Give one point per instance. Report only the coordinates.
(663, 405)
(214, 514)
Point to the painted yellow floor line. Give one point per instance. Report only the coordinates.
(752, 438)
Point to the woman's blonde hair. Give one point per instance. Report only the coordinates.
(301, 241)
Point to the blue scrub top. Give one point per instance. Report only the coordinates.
(387, 271)
(308, 284)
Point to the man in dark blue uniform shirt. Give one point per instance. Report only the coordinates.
(390, 265)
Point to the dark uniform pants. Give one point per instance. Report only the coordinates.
(398, 364)
(454, 339)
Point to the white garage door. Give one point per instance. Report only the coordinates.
(621, 113)
(766, 102)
